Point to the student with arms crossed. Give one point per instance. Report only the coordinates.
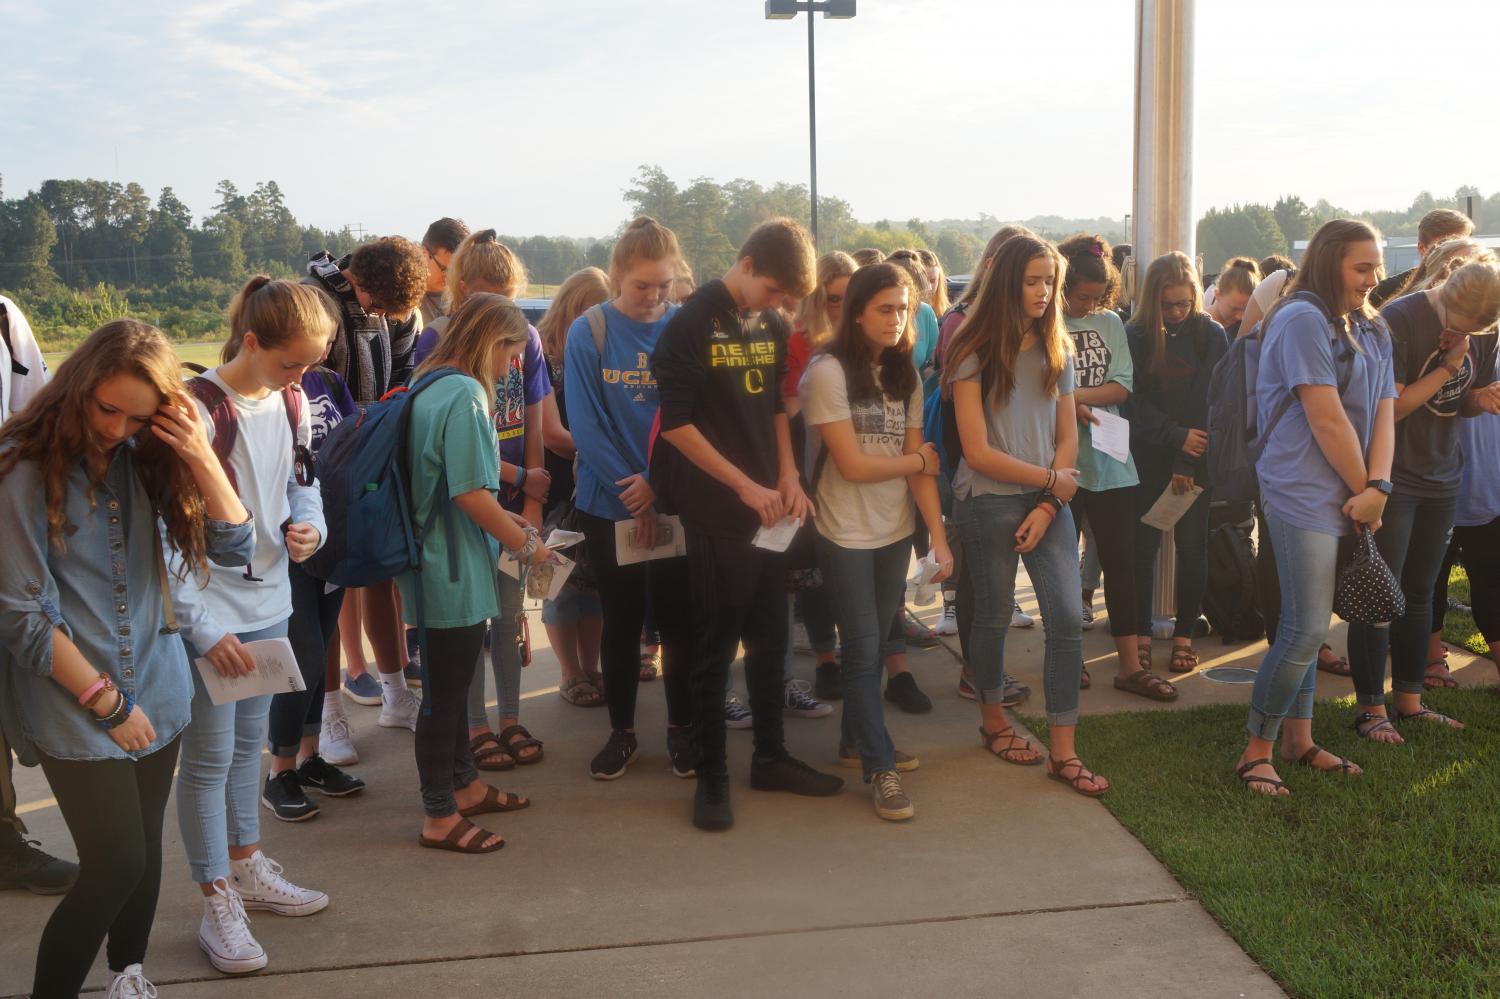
(724, 464)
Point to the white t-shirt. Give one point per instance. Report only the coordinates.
(1269, 290)
(17, 389)
(858, 514)
(262, 463)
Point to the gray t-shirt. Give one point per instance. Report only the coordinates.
(859, 514)
(1428, 461)
(1024, 426)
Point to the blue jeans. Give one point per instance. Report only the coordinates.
(1413, 539)
(865, 587)
(218, 777)
(988, 524)
(505, 660)
(1307, 567)
(1191, 537)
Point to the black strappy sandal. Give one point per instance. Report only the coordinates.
(1381, 721)
(1344, 765)
(1248, 779)
(1427, 714)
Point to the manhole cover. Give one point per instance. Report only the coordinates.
(1229, 674)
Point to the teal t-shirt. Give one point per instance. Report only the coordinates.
(453, 448)
(1101, 355)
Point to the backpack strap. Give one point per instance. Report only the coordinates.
(1258, 446)
(597, 326)
(226, 427)
(16, 367)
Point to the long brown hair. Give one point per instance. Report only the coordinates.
(580, 292)
(1167, 271)
(898, 377)
(1322, 273)
(54, 429)
(995, 324)
(999, 239)
(468, 343)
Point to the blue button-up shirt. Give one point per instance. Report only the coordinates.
(104, 593)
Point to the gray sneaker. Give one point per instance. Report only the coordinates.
(891, 802)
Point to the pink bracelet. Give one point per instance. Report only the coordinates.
(87, 695)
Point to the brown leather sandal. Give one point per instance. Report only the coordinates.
(1076, 781)
(988, 740)
(1183, 654)
(1338, 667)
(1306, 760)
(496, 800)
(515, 738)
(1367, 723)
(1243, 773)
(454, 842)
(1148, 685)
(489, 754)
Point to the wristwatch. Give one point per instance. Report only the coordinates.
(1384, 485)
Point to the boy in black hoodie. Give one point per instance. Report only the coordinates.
(724, 464)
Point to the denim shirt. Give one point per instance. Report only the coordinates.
(105, 595)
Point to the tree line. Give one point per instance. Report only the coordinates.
(77, 253)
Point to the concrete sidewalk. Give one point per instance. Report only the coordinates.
(1004, 884)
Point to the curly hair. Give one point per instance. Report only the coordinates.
(1090, 259)
(54, 431)
(393, 271)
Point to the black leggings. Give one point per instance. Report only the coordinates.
(114, 810)
(1113, 514)
(1480, 547)
(444, 760)
(315, 620)
(622, 593)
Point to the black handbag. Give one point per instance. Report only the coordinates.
(1367, 592)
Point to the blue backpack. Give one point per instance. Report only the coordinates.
(1237, 443)
(364, 473)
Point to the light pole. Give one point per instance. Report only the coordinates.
(785, 10)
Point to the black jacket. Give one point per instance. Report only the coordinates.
(721, 373)
(1170, 399)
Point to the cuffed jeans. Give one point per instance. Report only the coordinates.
(505, 659)
(988, 526)
(218, 779)
(865, 586)
(1413, 539)
(1307, 566)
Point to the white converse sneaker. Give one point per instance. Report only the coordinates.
(224, 933)
(948, 623)
(334, 744)
(130, 984)
(401, 710)
(259, 883)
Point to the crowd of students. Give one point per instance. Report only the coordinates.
(807, 424)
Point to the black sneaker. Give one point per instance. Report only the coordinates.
(683, 750)
(902, 691)
(23, 864)
(283, 796)
(616, 755)
(325, 778)
(711, 811)
(784, 773)
(826, 683)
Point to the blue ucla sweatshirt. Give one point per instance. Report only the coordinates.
(612, 403)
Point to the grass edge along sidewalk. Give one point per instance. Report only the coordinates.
(1382, 885)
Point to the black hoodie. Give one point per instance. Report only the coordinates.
(1170, 399)
(721, 373)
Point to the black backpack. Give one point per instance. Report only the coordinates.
(1230, 600)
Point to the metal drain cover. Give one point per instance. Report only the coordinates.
(1229, 674)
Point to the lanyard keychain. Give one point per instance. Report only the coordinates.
(523, 629)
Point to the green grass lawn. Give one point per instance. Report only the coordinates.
(206, 354)
(1459, 628)
(1381, 885)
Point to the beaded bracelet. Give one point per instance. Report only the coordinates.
(121, 711)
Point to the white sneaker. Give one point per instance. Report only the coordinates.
(948, 623)
(1020, 619)
(259, 884)
(403, 712)
(224, 933)
(334, 744)
(130, 984)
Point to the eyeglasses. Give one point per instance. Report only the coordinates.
(1181, 305)
(442, 267)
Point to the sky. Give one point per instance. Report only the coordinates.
(532, 116)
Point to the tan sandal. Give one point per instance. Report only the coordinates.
(1183, 654)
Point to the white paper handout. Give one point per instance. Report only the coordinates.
(1111, 435)
(275, 672)
(778, 537)
(1169, 507)
(670, 541)
(553, 575)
